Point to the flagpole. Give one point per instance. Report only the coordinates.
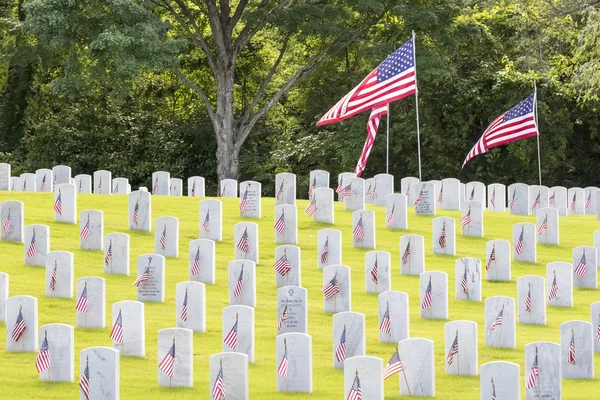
(538, 135)
(417, 106)
(387, 143)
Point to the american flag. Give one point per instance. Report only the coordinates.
(463, 282)
(325, 252)
(218, 391)
(511, 203)
(163, 238)
(497, 321)
(359, 232)
(280, 224)
(375, 272)
(84, 381)
(282, 265)
(167, 365)
(244, 202)
(155, 186)
(194, 188)
(390, 217)
(488, 265)
(231, 338)
(369, 192)
(581, 268)
(385, 325)
(279, 195)
(374, 191)
(392, 80)
(466, 220)
(552, 200)
(58, 204)
(43, 184)
(537, 202)
(100, 186)
(136, 212)
(528, 300)
(331, 288)
(472, 196)
(52, 284)
(427, 299)
(442, 239)
(453, 350)
(441, 195)
(116, 188)
(19, 328)
(6, 225)
(598, 330)
(313, 186)
(244, 243)
(145, 276)
(206, 222)
(340, 349)
(222, 193)
(372, 126)
(571, 358)
(82, 305)
(519, 245)
(116, 333)
(42, 361)
(543, 226)
(311, 208)
(515, 124)
(355, 391)
(196, 263)
(493, 198)
(419, 198)
(588, 201)
(553, 289)
(108, 256)
(283, 318)
(184, 309)
(239, 285)
(535, 371)
(282, 370)
(574, 203)
(339, 187)
(394, 366)
(406, 253)
(346, 191)
(31, 248)
(85, 232)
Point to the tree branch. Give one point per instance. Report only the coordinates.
(217, 33)
(197, 89)
(237, 14)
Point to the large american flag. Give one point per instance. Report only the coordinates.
(196, 263)
(331, 288)
(372, 125)
(116, 333)
(280, 224)
(6, 226)
(19, 328)
(553, 289)
(519, 245)
(340, 348)
(167, 365)
(325, 252)
(488, 265)
(244, 243)
(84, 381)
(231, 338)
(218, 391)
(453, 350)
(385, 325)
(497, 321)
(85, 232)
(282, 370)
(282, 265)
(427, 298)
(355, 391)
(42, 361)
(581, 268)
(393, 367)
(571, 357)
(359, 231)
(239, 285)
(283, 318)
(58, 204)
(533, 373)
(82, 305)
(515, 124)
(184, 308)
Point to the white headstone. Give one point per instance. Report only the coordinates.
(329, 247)
(59, 274)
(547, 225)
(471, 221)
(166, 236)
(396, 211)
(133, 327)
(498, 260)
(412, 254)
(500, 322)
(27, 307)
(595, 318)
(408, 187)
(102, 182)
(496, 197)
(160, 183)
(468, 279)
(62, 174)
(15, 184)
(65, 210)
(152, 289)
(12, 214)
(175, 187)
(103, 366)
(245, 240)
(250, 198)
(324, 202)
(120, 186)
(370, 193)
(538, 198)
(518, 199)
(559, 284)
(116, 253)
(202, 260)
(585, 268)
(548, 382)
(500, 380)
(450, 192)
(5, 176)
(28, 182)
(434, 305)
(363, 229)
(596, 240)
(297, 347)
(531, 300)
(342, 301)
(591, 193)
(444, 236)
(290, 274)
(577, 350)
(354, 194)
(342, 182)
(196, 186)
(558, 199)
(318, 178)
(91, 291)
(393, 308)
(475, 191)
(233, 368)
(3, 295)
(140, 211)
(292, 309)
(193, 295)
(239, 319)
(60, 340)
(228, 188)
(211, 217)
(576, 201)
(378, 276)
(417, 356)
(366, 371)
(465, 361)
(426, 199)
(91, 230)
(349, 326)
(183, 369)
(524, 242)
(285, 188)
(242, 283)
(286, 224)
(384, 184)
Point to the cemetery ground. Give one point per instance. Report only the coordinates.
(19, 379)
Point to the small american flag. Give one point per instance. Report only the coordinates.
(163, 238)
(552, 200)
(488, 265)
(497, 321)
(6, 225)
(493, 198)
(116, 333)
(244, 243)
(533, 373)
(331, 288)
(282, 265)
(511, 203)
(194, 188)
(231, 338)
(537, 202)
(58, 204)
(374, 191)
(84, 381)
(85, 232)
(553, 289)
(581, 268)
(571, 358)
(442, 239)
(355, 391)
(283, 318)
(100, 186)
(184, 309)
(375, 272)
(136, 212)
(359, 232)
(282, 370)
(419, 198)
(42, 361)
(528, 300)
(43, 184)
(239, 285)
(196, 263)
(313, 186)
(440, 198)
(466, 220)
(519, 245)
(574, 203)
(464, 282)
(280, 224)
(390, 217)
(52, 284)
(167, 365)
(311, 208)
(385, 325)
(369, 192)
(472, 196)
(19, 328)
(155, 186)
(543, 226)
(206, 222)
(31, 248)
(394, 366)
(325, 252)
(218, 391)
(145, 276)
(82, 305)
(346, 191)
(598, 330)
(116, 188)
(453, 350)
(279, 195)
(244, 202)
(339, 186)
(427, 299)
(340, 349)
(108, 256)
(406, 253)
(588, 201)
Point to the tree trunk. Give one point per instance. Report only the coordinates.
(225, 126)
(227, 154)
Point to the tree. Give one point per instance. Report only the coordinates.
(239, 59)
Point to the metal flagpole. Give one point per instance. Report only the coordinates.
(387, 146)
(538, 135)
(417, 106)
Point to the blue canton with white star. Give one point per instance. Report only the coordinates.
(397, 62)
(524, 107)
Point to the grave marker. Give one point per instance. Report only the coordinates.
(585, 268)
(44, 178)
(337, 294)
(546, 383)
(190, 306)
(558, 199)
(166, 236)
(59, 340)
(102, 182)
(245, 238)
(576, 201)
(547, 226)
(202, 261)
(378, 277)
(468, 279)
(353, 194)
(394, 323)
(175, 187)
(559, 284)
(150, 280)
(500, 380)
(363, 229)
(434, 294)
(294, 362)
(90, 302)
(59, 274)
(323, 197)
(21, 312)
(116, 253)
(83, 184)
(250, 199)
(396, 211)
(140, 211)
(65, 203)
(450, 194)
(412, 254)
(196, 186)
(418, 374)
(365, 371)
(349, 337)
(385, 185)
(292, 309)
(28, 182)
(518, 199)
(524, 242)
(471, 220)
(577, 350)
(12, 214)
(128, 331)
(4, 176)
(91, 230)
(342, 182)
(286, 224)
(408, 187)
(425, 201)
(285, 188)
(329, 247)
(590, 195)
(498, 260)
(287, 266)
(238, 330)
(101, 368)
(179, 371)
(461, 348)
(211, 217)
(496, 197)
(161, 183)
(242, 283)
(228, 188)
(229, 371)
(121, 186)
(500, 322)
(444, 236)
(62, 174)
(531, 298)
(475, 191)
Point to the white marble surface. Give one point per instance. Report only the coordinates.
(369, 371)
(175, 187)
(196, 305)
(102, 182)
(28, 182)
(450, 194)
(16, 210)
(500, 268)
(290, 218)
(343, 180)
(505, 334)
(94, 220)
(590, 195)
(154, 288)
(466, 361)
(96, 302)
(356, 343)
(204, 250)
(343, 300)
(28, 305)
(590, 280)
(103, 365)
(412, 258)
(535, 285)
(169, 227)
(68, 195)
(356, 199)
(560, 199)
(385, 186)
(134, 329)
(497, 192)
(471, 267)
(548, 384)
(61, 340)
(118, 262)
(244, 316)
(299, 352)
(196, 186)
(408, 187)
(529, 231)
(5, 176)
(15, 184)
(318, 178)
(120, 186)
(439, 294)
(551, 234)
(576, 194)
(397, 305)
(213, 210)
(64, 263)
(252, 231)
(383, 282)
(143, 201)
(288, 196)
(4, 279)
(333, 239)
(324, 199)
(475, 227)
(83, 184)
(564, 280)
(396, 203)
(234, 367)
(595, 318)
(294, 300)
(44, 178)
(500, 378)
(251, 190)
(417, 356)
(247, 269)
(581, 333)
(160, 185)
(519, 192)
(368, 222)
(293, 255)
(449, 226)
(183, 373)
(428, 194)
(596, 240)
(369, 194)
(228, 188)
(534, 192)
(62, 174)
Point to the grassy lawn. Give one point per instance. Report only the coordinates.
(19, 379)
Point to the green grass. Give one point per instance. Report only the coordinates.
(18, 377)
